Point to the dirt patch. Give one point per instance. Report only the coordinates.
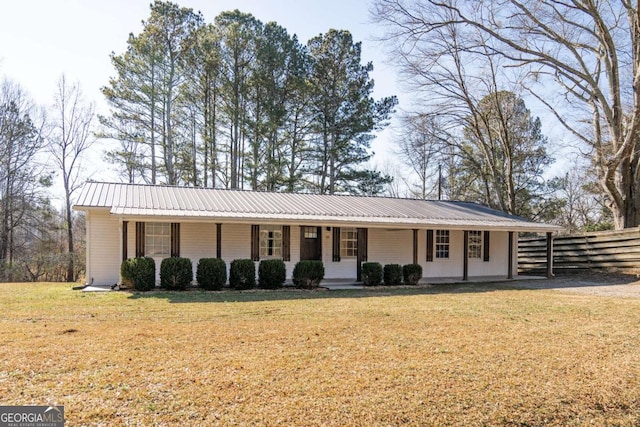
(594, 282)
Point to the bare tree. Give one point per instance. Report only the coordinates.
(581, 58)
(419, 147)
(21, 176)
(70, 139)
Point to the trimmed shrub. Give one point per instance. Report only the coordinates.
(211, 273)
(176, 273)
(271, 273)
(411, 274)
(242, 274)
(139, 273)
(308, 274)
(371, 273)
(392, 274)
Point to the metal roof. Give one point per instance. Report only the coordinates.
(193, 203)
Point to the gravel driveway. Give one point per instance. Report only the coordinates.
(589, 283)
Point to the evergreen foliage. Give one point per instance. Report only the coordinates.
(308, 274)
(139, 273)
(371, 273)
(211, 273)
(411, 274)
(271, 273)
(392, 274)
(242, 274)
(176, 274)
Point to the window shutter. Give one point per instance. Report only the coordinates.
(125, 234)
(485, 241)
(415, 246)
(336, 244)
(140, 236)
(363, 238)
(255, 242)
(218, 241)
(175, 239)
(429, 245)
(286, 243)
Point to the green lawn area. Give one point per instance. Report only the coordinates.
(475, 355)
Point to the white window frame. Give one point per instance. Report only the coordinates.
(157, 239)
(475, 244)
(270, 241)
(348, 242)
(442, 244)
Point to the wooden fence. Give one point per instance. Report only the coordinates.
(597, 250)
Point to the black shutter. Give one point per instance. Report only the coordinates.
(429, 245)
(255, 242)
(218, 241)
(140, 237)
(125, 233)
(415, 246)
(336, 244)
(175, 239)
(286, 243)
(485, 240)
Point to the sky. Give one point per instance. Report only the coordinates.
(42, 39)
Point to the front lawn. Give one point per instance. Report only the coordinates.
(475, 355)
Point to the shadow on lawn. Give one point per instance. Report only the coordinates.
(562, 280)
(255, 295)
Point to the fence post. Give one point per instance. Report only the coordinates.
(550, 255)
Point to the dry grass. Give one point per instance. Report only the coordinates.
(443, 356)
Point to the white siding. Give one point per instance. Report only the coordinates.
(236, 242)
(103, 248)
(451, 267)
(198, 240)
(391, 246)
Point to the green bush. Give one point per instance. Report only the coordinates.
(211, 273)
(271, 273)
(138, 273)
(412, 273)
(392, 274)
(176, 273)
(371, 273)
(242, 274)
(308, 274)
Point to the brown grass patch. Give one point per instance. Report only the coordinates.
(376, 357)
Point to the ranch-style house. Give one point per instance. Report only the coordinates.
(448, 239)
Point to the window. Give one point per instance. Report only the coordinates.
(158, 239)
(348, 242)
(442, 244)
(271, 241)
(310, 232)
(475, 244)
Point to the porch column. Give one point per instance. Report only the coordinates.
(465, 257)
(550, 255)
(218, 240)
(510, 260)
(362, 250)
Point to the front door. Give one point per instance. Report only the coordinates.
(310, 243)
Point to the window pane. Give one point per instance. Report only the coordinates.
(442, 244)
(157, 239)
(475, 244)
(270, 241)
(348, 242)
